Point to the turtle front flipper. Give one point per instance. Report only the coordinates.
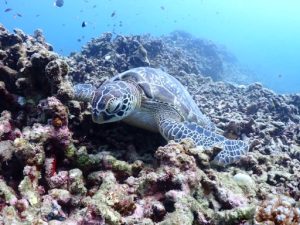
(84, 92)
(174, 130)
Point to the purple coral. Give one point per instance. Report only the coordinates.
(7, 129)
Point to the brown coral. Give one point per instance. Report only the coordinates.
(278, 210)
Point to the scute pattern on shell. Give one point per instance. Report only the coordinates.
(162, 87)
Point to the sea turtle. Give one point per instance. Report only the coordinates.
(154, 100)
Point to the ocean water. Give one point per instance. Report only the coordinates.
(264, 35)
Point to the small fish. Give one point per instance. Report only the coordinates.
(279, 75)
(17, 15)
(58, 3)
(94, 6)
(37, 15)
(5, 2)
(113, 14)
(79, 40)
(162, 8)
(83, 24)
(7, 10)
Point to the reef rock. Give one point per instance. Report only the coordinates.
(58, 167)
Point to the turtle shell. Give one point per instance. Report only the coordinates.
(162, 87)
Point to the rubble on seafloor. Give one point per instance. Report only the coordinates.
(57, 167)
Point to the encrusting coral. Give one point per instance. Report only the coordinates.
(278, 210)
(57, 167)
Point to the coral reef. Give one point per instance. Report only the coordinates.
(30, 68)
(58, 167)
(179, 51)
(278, 210)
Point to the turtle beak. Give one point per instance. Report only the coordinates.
(102, 117)
(97, 117)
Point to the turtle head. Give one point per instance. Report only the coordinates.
(114, 101)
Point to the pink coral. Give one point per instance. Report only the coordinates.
(7, 129)
(55, 179)
(229, 199)
(53, 108)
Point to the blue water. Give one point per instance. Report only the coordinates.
(263, 34)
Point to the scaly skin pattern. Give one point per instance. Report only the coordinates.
(173, 130)
(114, 101)
(154, 100)
(84, 92)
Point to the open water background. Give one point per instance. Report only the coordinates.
(264, 35)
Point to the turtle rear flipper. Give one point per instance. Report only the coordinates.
(232, 151)
(84, 92)
(176, 130)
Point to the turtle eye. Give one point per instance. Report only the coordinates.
(113, 106)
